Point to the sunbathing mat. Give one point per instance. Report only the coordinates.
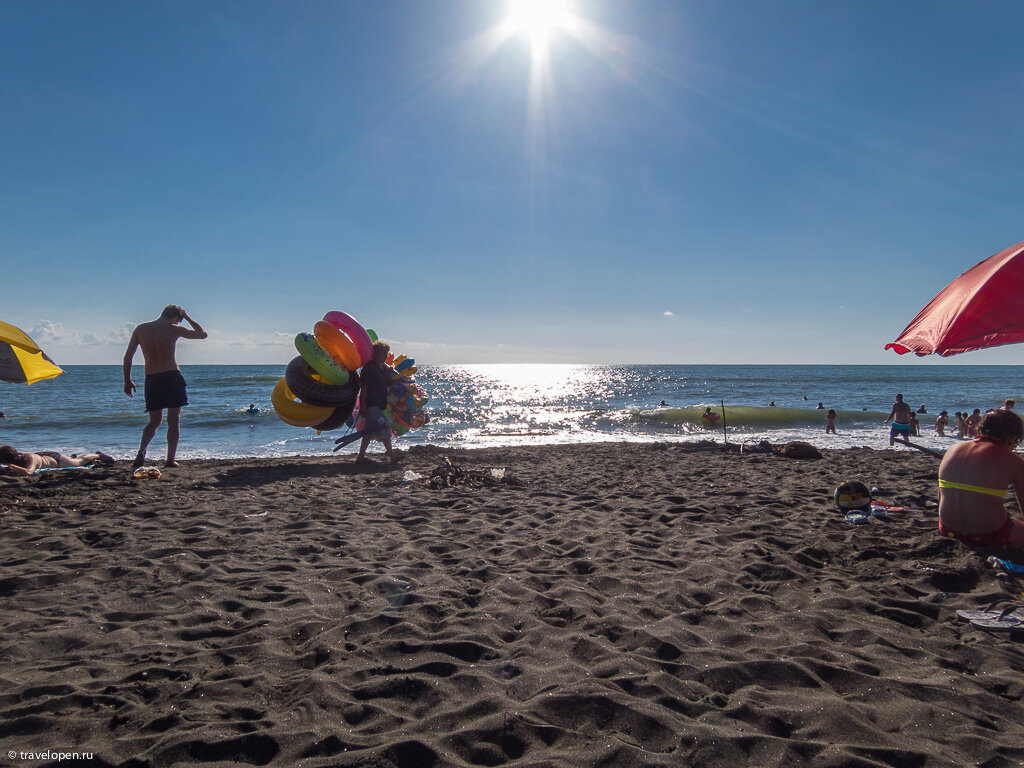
(613, 605)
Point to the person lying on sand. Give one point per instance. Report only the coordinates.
(27, 463)
(973, 478)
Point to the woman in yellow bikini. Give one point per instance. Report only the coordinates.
(973, 479)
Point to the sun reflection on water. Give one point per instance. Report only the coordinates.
(531, 400)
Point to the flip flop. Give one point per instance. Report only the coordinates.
(880, 512)
(885, 506)
(857, 517)
(1008, 565)
(971, 614)
(1004, 624)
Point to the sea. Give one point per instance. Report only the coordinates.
(473, 406)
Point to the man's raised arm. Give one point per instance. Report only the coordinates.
(196, 332)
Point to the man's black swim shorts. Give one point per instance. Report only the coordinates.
(165, 390)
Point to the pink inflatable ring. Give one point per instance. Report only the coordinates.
(350, 326)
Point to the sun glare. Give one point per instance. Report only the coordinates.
(537, 19)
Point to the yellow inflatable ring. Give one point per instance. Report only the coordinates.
(291, 411)
(337, 345)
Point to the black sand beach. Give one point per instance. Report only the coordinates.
(601, 605)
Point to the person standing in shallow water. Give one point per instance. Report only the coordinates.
(830, 421)
(900, 416)
(165, 386)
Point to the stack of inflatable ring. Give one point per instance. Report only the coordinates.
(320, 386)
(405, 403)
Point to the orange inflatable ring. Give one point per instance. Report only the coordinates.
(337, 345)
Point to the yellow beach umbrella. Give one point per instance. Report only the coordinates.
(21, 359)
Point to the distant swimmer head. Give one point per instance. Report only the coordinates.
(853, 494)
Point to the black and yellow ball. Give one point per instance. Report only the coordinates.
(853, 494)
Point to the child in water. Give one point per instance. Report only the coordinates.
(830, 421)
(972, 423)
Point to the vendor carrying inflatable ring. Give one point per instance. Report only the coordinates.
(373, 399)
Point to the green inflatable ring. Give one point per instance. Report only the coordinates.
(319, 360)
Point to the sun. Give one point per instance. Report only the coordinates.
(537, 19)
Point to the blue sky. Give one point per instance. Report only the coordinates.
(665, 181)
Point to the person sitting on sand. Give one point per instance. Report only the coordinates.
(830, 421)
(973, 479)
(941, 423)
(27, 463)
(900, 416)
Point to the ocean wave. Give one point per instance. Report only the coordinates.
(753, 416)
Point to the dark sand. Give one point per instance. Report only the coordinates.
(608, 605)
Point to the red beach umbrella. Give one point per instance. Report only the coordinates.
(984, 307)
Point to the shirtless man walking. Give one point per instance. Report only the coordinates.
(900, 415)
(165, 386)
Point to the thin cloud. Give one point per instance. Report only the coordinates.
(47, 332)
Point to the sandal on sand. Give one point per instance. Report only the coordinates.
(1006, 623)
(984, 615)
(857, 517)
(989, 614)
